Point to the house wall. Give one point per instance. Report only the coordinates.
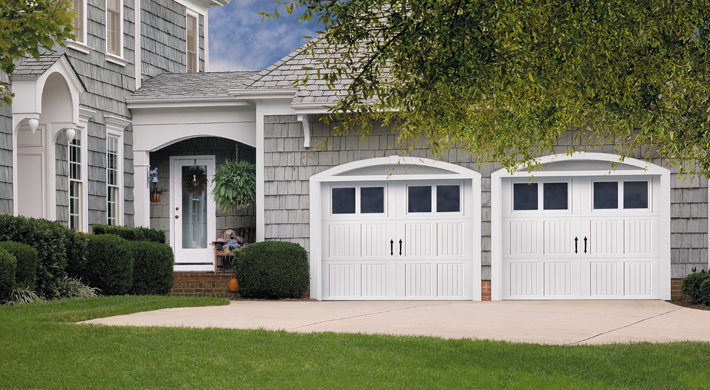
(222, 149)
(286, 187)
(6, 204)
(164, 34)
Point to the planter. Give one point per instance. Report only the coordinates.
(155, 198)
(233, 286)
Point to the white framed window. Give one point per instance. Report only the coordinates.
(114, 27)
(112, 180)
(75, 183)
(193, 46)
(80, 21)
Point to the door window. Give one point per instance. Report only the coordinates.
(606, 195)
(448, 199)
(419, 199)
(343, 200)
(194, 215)
(635, 194)
(372, 200)
(525, 196)
(554, 196)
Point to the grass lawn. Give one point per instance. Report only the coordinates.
(41, 348)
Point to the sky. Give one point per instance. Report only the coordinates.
(239, 40)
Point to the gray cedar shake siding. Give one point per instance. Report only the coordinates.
(222, 149)
(286, 189)
(6, 204)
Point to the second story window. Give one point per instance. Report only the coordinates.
(112, 180)
(79, 25)
(113, 27)
(192, 46)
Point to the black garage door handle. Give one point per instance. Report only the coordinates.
(400, 247)
(391, 247)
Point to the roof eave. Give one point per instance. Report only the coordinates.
(183, 101)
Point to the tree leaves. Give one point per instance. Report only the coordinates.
(504, 80)
(25, 26)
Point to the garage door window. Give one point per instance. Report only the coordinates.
(555, 196)
(343, 200)
(525, 196)
(372, 200)
(448, 199)
(606, 195)
(419, 199)
(635, 194)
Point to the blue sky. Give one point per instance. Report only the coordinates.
(239, 40)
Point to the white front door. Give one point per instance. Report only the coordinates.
(193, 215)
(581, 238)
(398, 240)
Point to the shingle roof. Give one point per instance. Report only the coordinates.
(175, 85)
(30, 67)
(283, 73)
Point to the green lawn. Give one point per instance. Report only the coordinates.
(41, 348)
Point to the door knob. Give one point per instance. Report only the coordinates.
(177, 216)
(177, 208)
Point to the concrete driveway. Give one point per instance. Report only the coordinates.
(544, 322)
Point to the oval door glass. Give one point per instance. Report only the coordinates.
(194, 214)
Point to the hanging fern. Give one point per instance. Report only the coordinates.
(234, 185)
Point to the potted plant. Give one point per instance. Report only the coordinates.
(234, 185)
(156, 193)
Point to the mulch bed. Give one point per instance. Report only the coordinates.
(687, 304)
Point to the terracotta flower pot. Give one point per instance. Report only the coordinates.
(233, 285)
(155, 198)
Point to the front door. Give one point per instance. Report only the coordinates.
(398, 240)
(581, 238)
(193, 213)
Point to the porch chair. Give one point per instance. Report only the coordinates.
(248, 233)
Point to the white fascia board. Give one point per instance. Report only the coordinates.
(178, 102)
(313, 108)
(263, 94)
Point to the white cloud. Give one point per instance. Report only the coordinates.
(239, 40)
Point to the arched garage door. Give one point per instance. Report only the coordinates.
(411, 233)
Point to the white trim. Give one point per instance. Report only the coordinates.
(78, 46)
(115, 128)
(645, 168)
(196, 15)
(207, 41)
(306, 130)
(262, 94)
(188, 101)
(137, 62)
(141, 189)
(331, 175)
(115, 60)
(85, 114)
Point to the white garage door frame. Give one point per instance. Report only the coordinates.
(379, 169)
(582, 164)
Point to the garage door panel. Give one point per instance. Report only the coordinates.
(342, 280)
(450, 280)
(524, 279)
(376, 281)
(558, 279)
(450, 239)
(638, 278)
(604, 279)
(604, 236)
(419, 239)
(375, 240)
(523, 238)
(342, 240)
(418, 280)
(558, 237)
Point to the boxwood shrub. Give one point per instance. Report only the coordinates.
(7, 275)
(691, 286)
(152, 268)
(273, 270)
(705, 292)
(56, 245)
(109, 265)
(132, 233)
(26, 266)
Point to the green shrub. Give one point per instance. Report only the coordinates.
(152, 268)
(26, 268)
(132, 234)
(56, 247)
(109, 265)
(273, 270)
(691, 286)
(7, 275)
(704, 292)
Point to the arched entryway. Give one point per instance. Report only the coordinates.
(581, 229)
(396, 228)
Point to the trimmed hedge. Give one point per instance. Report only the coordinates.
(691, 287)
(705, 292)
(273, 270)
(56, 245)
(132, 234)
(26, 267)
(7, 275)
(152, 268)
(109, 265)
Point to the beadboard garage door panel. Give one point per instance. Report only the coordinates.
(376, 246)
(572, 238)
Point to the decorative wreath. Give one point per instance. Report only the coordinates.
(194, 174)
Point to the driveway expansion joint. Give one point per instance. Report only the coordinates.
(367, 315)
(622, 327)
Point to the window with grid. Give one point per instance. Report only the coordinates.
(112, 179)
(191, 44)
(79, 21)
(113, 27)
(75, 182)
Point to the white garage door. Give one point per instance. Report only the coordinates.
(397, 240)
(581, 238)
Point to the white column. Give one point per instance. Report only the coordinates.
(141, 190)
(260, 173)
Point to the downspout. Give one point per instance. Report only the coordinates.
(137, 44)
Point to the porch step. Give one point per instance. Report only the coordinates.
(201, 284)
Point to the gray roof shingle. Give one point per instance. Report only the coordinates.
(209, 84)
(30, 67)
